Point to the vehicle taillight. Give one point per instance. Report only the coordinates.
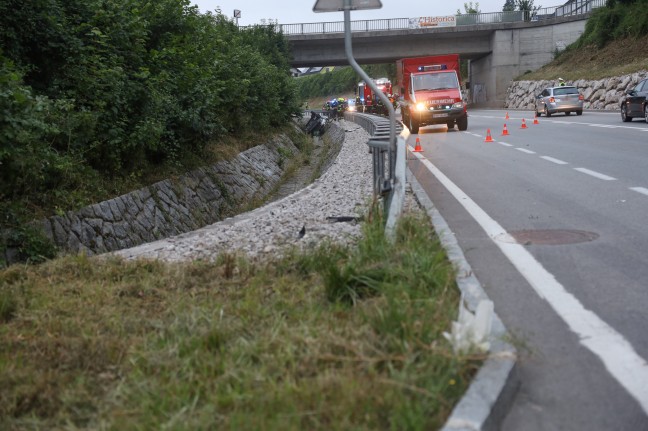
(580, 97)
(552, 100)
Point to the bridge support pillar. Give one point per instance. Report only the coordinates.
(515, 52)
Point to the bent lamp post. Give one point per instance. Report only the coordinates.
(384, 186)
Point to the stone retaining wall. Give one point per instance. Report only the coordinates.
(602, 94)
(178, 205)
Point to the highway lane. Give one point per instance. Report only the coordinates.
(573, 188)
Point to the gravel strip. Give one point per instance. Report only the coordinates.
(327, 209)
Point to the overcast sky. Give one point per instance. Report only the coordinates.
(299, 11)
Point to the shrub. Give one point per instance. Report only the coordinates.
(619, 19)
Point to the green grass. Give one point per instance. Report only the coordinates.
(330, 339)
(616, 58)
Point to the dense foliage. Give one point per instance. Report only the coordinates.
(619, 19)
(111, 88)
(341, 81)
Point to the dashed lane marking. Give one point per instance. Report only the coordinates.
(554, 160)
(642, 190)
(570, 121)
(615, 352)
(595, 174)
(524, 150)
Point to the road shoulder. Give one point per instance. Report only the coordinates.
(491, 393)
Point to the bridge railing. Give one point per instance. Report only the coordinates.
(338, 26)
(577, 7)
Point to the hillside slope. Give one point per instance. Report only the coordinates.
(619, 57)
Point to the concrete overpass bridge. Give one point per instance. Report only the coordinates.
(500, 45)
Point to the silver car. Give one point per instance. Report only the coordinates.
(565, 99)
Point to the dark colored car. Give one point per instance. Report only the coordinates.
(565, 98)
(633, 104)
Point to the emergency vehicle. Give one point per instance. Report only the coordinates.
(430, 92)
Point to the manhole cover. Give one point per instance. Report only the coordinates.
(548, 236)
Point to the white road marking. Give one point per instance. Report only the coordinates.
(571, 121)
(620, 126)
(524, 150)
(595, 174)
(556, 161)
(616, 353)
(642, 190)
(611, 126)
(505, 144)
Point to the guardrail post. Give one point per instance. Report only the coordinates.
(397, 196)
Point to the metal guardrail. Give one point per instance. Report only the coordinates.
(378, 128)
(388, 181)
(575, 8)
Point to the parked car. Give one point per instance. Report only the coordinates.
(565, 99)
(633, 104)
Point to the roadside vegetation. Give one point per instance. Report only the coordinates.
(101, 97)
(331, 339)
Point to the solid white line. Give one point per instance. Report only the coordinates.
(556, 161)
(524, 150)
(616, 353)
(595, 174)
(642, 190)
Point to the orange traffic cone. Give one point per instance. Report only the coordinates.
(417, 147)
(524, 126)
(488, 136)
(507, 117)
(535, 119)
(505, 131)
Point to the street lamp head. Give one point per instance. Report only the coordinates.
(339, 5)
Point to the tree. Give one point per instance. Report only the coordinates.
(509, 6)
(527, 7)
(114, 88)
(469, 8)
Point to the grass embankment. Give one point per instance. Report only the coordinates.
(618, 57)
(333, 339)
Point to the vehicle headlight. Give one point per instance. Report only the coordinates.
(421, 106)
(458, 105)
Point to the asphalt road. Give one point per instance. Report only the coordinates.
(553, 219)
